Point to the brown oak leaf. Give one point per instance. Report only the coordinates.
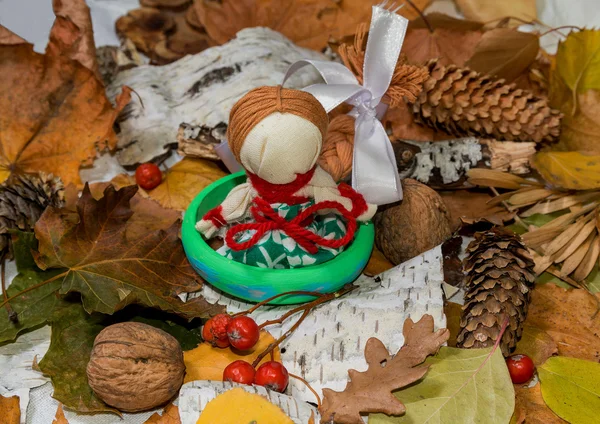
(170, 415)
(111, 271)
(55, 113)
(371, 391)
(530, 407)
(9, 410)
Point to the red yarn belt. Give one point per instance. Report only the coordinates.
(267, 219)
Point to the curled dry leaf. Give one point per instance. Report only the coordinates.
(569, 317)
(493, 10)
(60, 416)
(184, 180)
(469, 207)
(72, 34)
(574, 89)
(451, 40)
(56, 115)
(308, 23)
(207, 363)
(569, 170)
(8, 37)
(97, 260)
(505, 53)
(371, 390)
(170, 415)
(9, 410)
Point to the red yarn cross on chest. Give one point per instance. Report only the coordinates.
(267, 219)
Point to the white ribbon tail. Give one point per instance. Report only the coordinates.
(333, 95)
(386, 36)
(374, 169)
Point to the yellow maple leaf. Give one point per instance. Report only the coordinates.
(575, 90)
(170, 415)
(569, 170)
(60, 416)
(183, 181)
(207, 363)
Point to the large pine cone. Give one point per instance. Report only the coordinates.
(463, 102)
(416, 224)
(499, 277)
(23, 199)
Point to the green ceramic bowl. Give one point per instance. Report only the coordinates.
(253, 283)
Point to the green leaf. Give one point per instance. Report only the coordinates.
(33, 307)
(73, 334)
(462, 386)
(571, 388)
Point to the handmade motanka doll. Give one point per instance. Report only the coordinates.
(290, 213)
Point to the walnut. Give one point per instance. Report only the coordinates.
(135, 367)
(416, 224)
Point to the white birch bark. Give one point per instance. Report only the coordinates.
(201, 89)
(332, 338)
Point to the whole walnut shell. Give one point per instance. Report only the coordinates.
(135, 367)
(412, 226)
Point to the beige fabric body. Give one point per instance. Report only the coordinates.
(281, 146)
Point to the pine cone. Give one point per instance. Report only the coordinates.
(499, 277)
(23, 198)
(463, 102)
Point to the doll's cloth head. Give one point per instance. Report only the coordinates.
(277, 133)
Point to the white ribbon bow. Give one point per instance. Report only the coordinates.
(374, 169)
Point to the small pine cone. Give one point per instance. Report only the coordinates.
(463, 102)
(499, 277)
(23, 199)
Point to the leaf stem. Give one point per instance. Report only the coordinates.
(421, 14)
(314, 392)
(35, 286)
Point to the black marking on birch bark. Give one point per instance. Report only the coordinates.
(219, 75)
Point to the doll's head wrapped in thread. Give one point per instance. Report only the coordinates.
(290, 212)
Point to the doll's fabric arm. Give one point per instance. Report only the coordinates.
(322, 187)
(233, 208)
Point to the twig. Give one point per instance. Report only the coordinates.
(314, 392)
(561, 27)
(421, 14)
(12, 315)
(264, 302)
(306, 308)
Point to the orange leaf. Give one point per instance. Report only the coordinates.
(55, 113)
(309, 23)
(170, 416)
(530, 407)
(9, 410)
(377, 264)
(60, 416)
(207, 363)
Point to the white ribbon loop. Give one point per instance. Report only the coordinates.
(374, 169)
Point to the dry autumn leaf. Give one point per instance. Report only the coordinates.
(574, 89)
(530, 407)
(494, 10)
(537, 344)
(377, 264)
(207, 363)
(72, 34)
(10, 411)
(308, 23)
(55, 113)
(451, 40)
(505, 53)
(170, 415)
(147, 216)
(371, 391)
(60, 416)
(183, 181)
(569, 170)
(95, 258)
(469, 207)
(569, 317)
